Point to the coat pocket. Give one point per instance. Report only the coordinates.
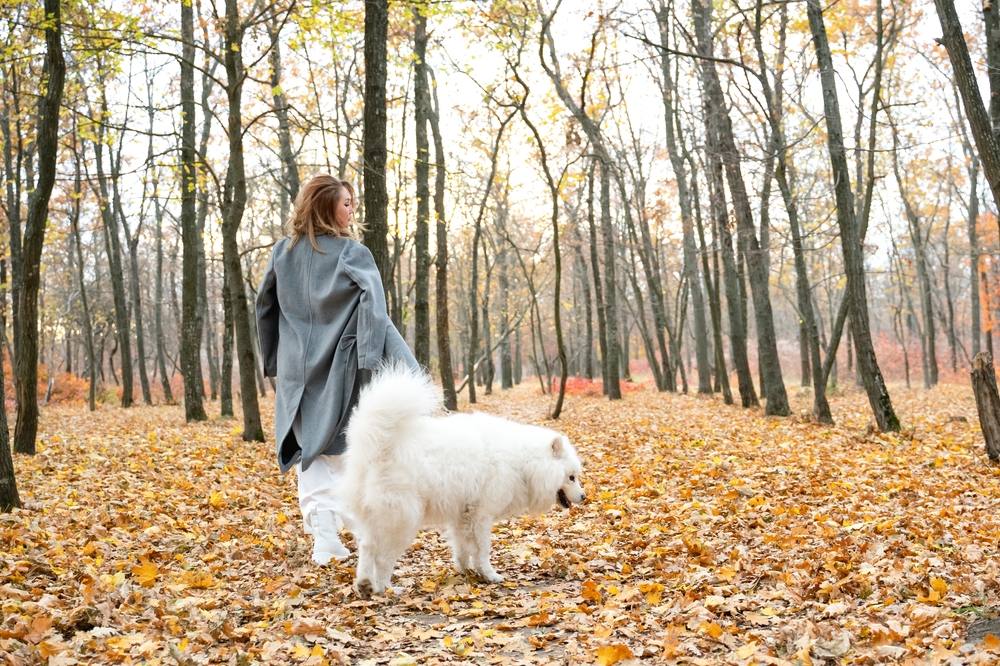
(346, 341)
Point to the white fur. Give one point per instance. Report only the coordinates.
(405, 469)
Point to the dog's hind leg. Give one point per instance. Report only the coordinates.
(460, 551)
(388, 543)
(366, 578)
(482, 530)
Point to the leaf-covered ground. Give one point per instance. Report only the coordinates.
(711, 535)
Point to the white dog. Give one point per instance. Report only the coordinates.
(405, 469)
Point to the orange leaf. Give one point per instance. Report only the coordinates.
(146, 573)
(991, 642)
(710, 628)
(612, 654)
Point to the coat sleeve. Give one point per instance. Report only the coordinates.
(372, 317)
(397, 349)
(268, 314)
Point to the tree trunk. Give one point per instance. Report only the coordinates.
(88, 329)
(691, 272)
(12, 168)
(421, 112)
(233, 206)
(580, 268)
(770, 366)
(973, 217)
(602, 325)
(919, 237)
(556, 253)
(984, 385)
(965, 79)
(373, 137)
(850, 236)
(714, 298)
(737, 333)
(191, 319)
(113, 248)
(486, 366)
(477, 237)
(226, 390)
(9, 498)
(289, 170)
(651, 271)
(517, 357)
(161, 361)
(26, 369)
(441, 265)
(610, 288)
(809, 331)
(140, 336)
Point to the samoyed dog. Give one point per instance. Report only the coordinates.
(406, 469)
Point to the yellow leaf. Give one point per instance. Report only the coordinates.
(939, 586)
(714, 600)
(52, 648)
(612, 654)
(769, 611)
(217, 500)
(317, 651)
(747, 651)
(300, 651)
(590, 592)
(282, 518)
(710, 628)
(602, 631)
(146, 573)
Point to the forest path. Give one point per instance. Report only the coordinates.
(711, 535)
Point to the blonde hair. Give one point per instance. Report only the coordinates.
(315, 211)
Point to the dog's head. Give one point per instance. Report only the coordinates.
(570, 491)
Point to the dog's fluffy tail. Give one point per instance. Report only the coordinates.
(396, 396)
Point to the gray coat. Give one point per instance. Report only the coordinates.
(323, 324)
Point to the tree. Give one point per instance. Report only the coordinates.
(373, 137)
(850, 238)
(556, 252)
(691, 272)
(190, 237)
(919, 237)
(983, 132)
(113, 248)
(421, 112)
(783, 175)
(717, 109)
(441, 264)
(26, 363)
(88, 329)
(234, 203)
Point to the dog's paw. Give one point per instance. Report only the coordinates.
(491, 577)
(364, 589)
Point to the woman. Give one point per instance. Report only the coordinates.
(323, 329)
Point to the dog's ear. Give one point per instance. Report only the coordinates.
(557, 446)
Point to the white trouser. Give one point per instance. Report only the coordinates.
(318, 487)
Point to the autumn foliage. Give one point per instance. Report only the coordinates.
(711, 535)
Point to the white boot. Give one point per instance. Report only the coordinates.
(326, 538)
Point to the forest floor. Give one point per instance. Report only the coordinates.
(712, 535)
